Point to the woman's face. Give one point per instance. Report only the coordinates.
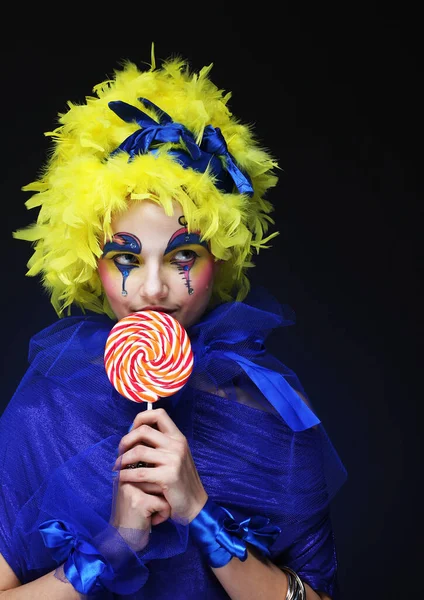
(153, 263)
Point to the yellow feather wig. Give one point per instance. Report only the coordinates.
(83, 184)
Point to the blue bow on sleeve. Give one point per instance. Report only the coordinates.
(256, 531)
(212, 152)
(87, 569)
(220, 537)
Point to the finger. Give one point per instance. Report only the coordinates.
(137, 454)
(150, 488)
(142, 434)
(158, 504)
(160, 517)
(159, 417)
(144, 475)
(158, 508)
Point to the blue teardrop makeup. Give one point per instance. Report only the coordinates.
(181, 238)
(123, 243)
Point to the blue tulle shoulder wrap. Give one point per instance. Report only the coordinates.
(259, 449)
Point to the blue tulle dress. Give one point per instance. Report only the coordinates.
(258, 448)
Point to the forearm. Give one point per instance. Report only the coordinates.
(255, 579)
(47, 587)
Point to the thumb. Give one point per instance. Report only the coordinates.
(161, 510)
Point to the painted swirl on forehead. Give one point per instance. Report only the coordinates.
(123, 242)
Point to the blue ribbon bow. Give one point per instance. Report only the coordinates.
(212, 152)
(84, 566)
(220, 537)
(256, 531)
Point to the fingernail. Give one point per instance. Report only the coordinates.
(131, 426)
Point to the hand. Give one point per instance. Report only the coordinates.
(173, 473)
(136, 511)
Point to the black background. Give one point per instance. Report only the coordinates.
(337, 98)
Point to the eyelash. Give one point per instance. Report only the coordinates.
(192, 253)
(133, 260)
(125, 264)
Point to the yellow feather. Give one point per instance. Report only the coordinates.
(82, 186)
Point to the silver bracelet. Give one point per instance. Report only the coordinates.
(295, 588)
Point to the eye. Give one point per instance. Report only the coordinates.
(185, 255)
(125, 259)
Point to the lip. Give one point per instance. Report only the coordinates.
(163, 309)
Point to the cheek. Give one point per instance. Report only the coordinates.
(202, 274)
(109, 276)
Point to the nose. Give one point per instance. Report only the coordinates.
(153, 286)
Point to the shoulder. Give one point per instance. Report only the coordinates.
(77, 339)
(68, 328)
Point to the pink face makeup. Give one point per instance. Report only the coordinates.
(153, 263)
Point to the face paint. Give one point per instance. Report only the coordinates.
(181, 238)
(160, 281)
(184, 268)
(122, 242)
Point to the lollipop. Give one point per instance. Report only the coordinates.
(148, 356)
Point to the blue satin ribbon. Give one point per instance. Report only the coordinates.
(279, 393)
(84, 566)
(216, 344)
(212, 152)
(220, 537)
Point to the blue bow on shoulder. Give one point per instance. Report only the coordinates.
(212, 152)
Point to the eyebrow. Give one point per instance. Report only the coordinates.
(123, 241)
(181, 238)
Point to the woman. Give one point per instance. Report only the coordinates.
(154, 199)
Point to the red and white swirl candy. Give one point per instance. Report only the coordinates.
(148, 356)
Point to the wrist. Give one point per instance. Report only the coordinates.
(94, 564)
(197, 508)
(136, 539)
(295, 586)
(220, 537)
